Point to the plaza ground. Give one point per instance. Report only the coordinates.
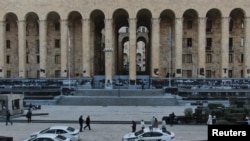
(109, 123)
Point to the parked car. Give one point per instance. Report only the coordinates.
(161, 134)
(64, 130)
(48, 137)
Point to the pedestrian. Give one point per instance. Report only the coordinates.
(248, 120)
(8, 120)
(172, 118)
(133, 126)
(80, 123)
(142, 124)
(87, 123)
(163, 124)
(214, 120)
(29, 115)
(152, 121)
(156, 124)
(142, 86)
(209, 120)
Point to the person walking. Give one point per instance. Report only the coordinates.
(8, 120)
(156, 124)
(142, 124)
(87, 123)
(133, 126)
(80, 123)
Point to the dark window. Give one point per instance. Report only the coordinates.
(7, 43)
(57, 43)
(8, 59)
(7, 27)
(189, 42)
(230, 58)
(38, 59)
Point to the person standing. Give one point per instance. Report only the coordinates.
(87, 123)
(29, 115)
(209, 120)
(142, 124)
(163, 124)
(80, 123)
(214, 120)
(152, 121)
(8, 120)
(133, 126)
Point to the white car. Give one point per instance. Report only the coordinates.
(150, 134)
(66, 131)
(48, 137)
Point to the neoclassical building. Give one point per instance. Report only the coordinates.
(156, 38)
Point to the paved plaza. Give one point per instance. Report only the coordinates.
(109, 123)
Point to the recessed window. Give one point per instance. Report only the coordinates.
(208, 58)
(8, 44)
(7, 59)
(7, 27)
(230, 58)
(57, 43)
(189, 42)
(57, 59)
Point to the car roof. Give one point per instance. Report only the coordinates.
(47, 135)
(59, 127)
(152, 129)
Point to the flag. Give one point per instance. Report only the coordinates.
(69, 43)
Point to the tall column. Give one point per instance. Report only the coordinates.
(2, 49)
(178, 46)
(43, 47)
(224, 46)
(155, 47)
(201, 46)
(132, 51)
(64, 51)
(86, 47)
(108, 50)
(246, 48)
(22, 48)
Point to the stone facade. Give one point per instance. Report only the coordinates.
(81, 38)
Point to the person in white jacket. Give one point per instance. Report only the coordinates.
(209, 120)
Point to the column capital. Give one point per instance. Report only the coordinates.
(41, 21)
(202, 18)
(108, 20)
(177, 19)
(155, 20)
(132, 20)
(85, 20)
(226, 18)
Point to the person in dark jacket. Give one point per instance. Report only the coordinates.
(8, 118)
(29, 115)
(133, 126)
(80, 123)
(87, 123)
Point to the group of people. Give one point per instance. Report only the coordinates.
(87, 122)
(154, 124)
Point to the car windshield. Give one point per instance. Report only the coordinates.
(44, 130)
(61, 138)
(70, 129)
(139, 132)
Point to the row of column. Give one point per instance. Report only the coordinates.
(109, 44)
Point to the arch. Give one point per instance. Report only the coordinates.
(167, 55)
(120, 20)
(97, 43)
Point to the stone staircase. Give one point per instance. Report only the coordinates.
(119, 97)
